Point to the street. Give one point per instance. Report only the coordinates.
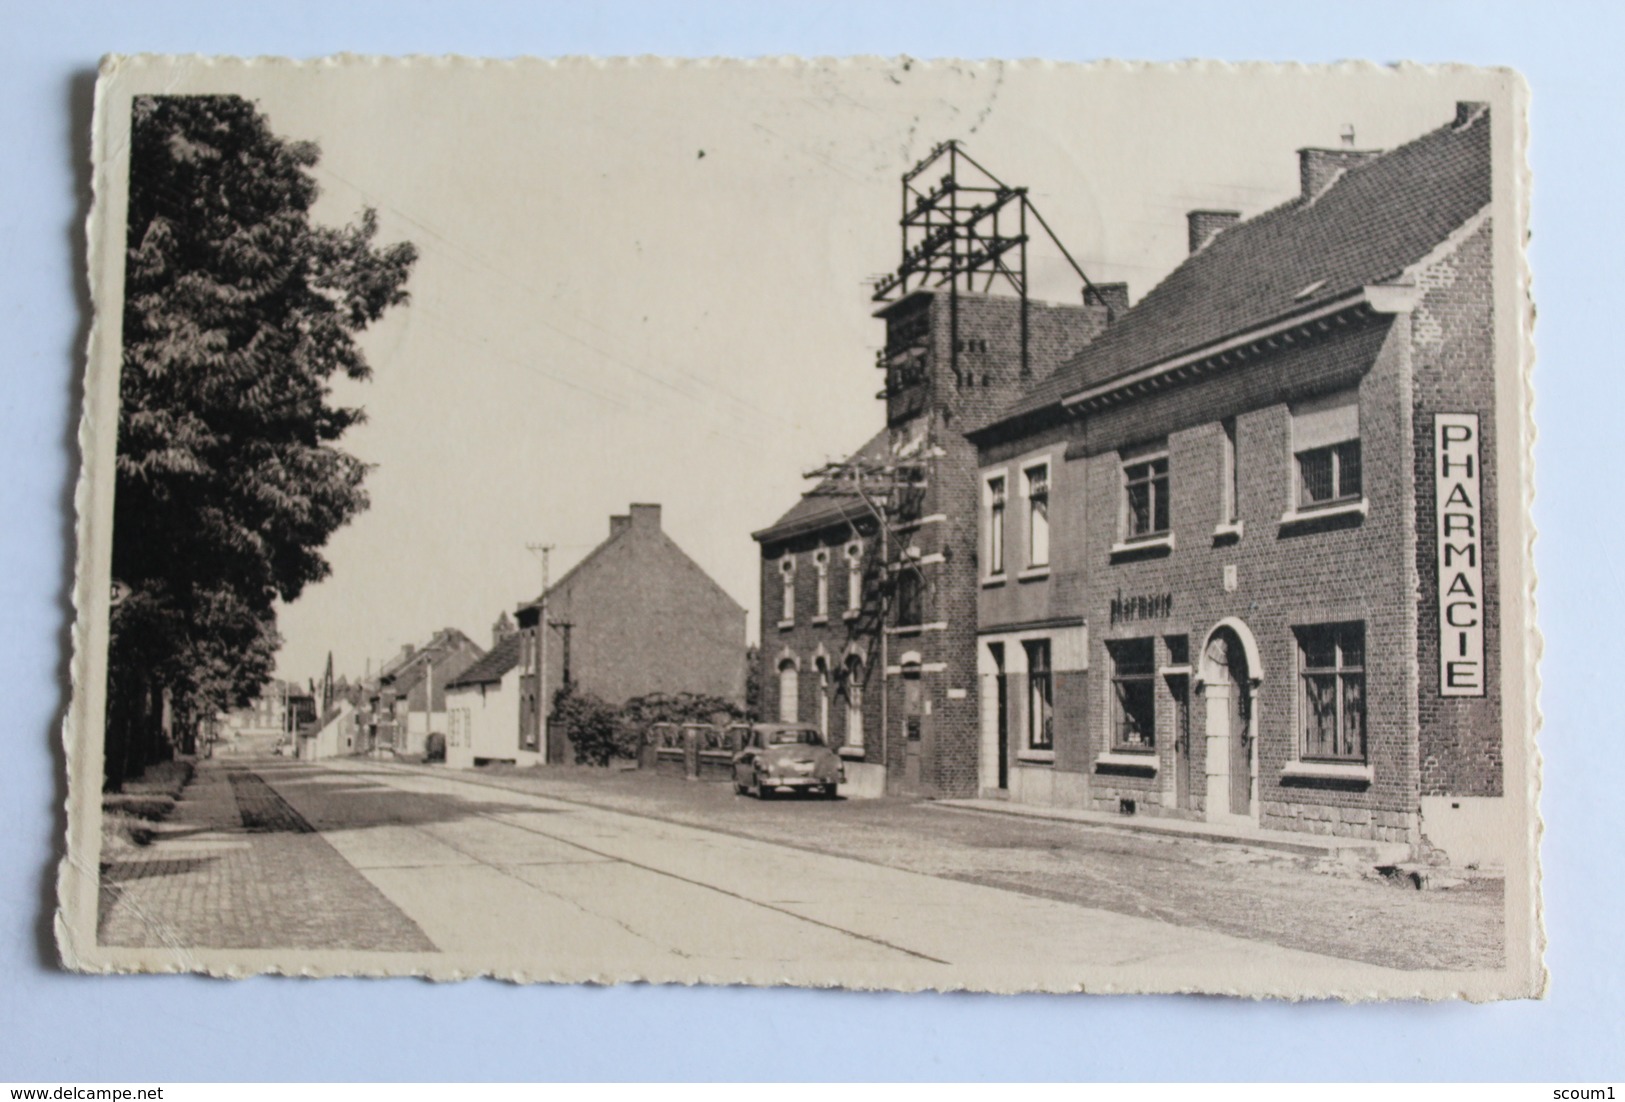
(579, 874)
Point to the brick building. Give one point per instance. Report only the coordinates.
(1241, 609)
(408, 699)
(636, 616)
(875, 639)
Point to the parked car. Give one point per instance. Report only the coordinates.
(774, 756)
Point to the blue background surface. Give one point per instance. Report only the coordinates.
(60, 1027)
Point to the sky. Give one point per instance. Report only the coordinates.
(647, 282)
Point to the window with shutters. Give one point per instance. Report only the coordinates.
(1326, 452)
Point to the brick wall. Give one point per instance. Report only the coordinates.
(972, 369)
(1285, 576)
(643, 618)
(1454, 371)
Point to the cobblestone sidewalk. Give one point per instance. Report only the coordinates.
(235, 867)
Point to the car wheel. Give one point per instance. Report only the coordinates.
(739, 789)
(831, 791)
(760, 791)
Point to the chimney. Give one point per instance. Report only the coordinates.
(406, 650)
(1317, 168)
(1205, 225)
(501, 629)
(1113, 296)
(646, 517)
(617, 525)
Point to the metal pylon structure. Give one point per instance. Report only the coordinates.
(968, 226)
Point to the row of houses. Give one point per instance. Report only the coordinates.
(636, 616)
(1229, 555)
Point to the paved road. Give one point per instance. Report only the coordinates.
(518, 882)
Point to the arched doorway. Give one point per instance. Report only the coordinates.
(1230, 675)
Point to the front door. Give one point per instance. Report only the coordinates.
(913, 729)
(1241, 735)
(1001, 710)
(1180, 688)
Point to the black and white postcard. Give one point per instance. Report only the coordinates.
(846, 523)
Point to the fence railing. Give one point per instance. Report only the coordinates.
(693, 749)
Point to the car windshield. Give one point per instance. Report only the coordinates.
(792, 738)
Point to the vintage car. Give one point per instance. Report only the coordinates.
(792, 756)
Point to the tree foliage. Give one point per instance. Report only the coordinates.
(239, 311)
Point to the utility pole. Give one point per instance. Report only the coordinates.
(543, 707)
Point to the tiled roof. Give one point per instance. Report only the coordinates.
(816, 509)
(497, 661)
(1373, 222)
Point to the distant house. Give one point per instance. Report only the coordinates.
(482, 706)
(336, 734)
(409, 700)
(636, 616)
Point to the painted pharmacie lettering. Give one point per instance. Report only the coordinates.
(1459, 525)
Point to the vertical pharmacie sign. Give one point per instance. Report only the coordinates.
(1460, 532)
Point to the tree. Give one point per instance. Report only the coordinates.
(238, 313)
(753, 681)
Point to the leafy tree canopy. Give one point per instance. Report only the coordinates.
(238, 313)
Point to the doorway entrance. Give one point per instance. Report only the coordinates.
(1230, 675)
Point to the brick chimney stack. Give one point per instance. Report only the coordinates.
(1317, 168)
(618, 524)
(1205, 225)
(646, 517)
(1113, 296)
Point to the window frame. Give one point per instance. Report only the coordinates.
(854, 577)
(789, 676)
(821, 593)
(1037, 492)
(1339, 456)
(1154, 477)
(787, 594)
(1342, 674)
(1144, 680)
(997, 489)
(1229, 475)
(852, 668)
(1039, 733)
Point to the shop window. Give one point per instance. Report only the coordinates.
(1037, 479)
(1331, 705)
(1145, 496)
(1133, 694)
(995, 526)
(1040, 696)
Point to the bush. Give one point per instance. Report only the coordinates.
(590, 724)
(639, 713)
(434, 747)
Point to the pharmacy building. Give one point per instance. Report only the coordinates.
(1237, 556)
